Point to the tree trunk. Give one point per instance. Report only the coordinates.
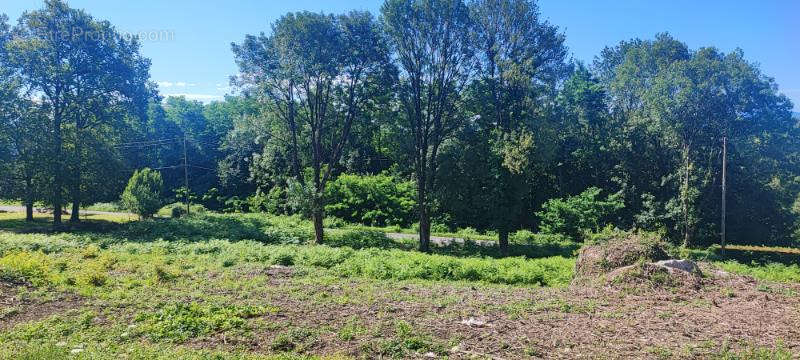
(28, 199)
(57, 169)
(317, 216)
(502, 239)
(76, 178)
(724, 173)
(424, 215)
(424, 231)
(685, 196)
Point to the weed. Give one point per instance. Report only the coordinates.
(179, 322)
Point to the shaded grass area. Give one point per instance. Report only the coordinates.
(109, 229)
(43, 223)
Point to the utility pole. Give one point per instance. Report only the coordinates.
(185, 174)
(724, 173)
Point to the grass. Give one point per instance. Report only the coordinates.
(252, 287)
(772, 272)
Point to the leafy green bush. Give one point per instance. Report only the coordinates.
(273, 202)
(34, 267)
(143, 193)
(371, 199)
(577, 215)
(177, 209)
(358, 239)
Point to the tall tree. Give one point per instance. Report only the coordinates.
(84, 70)
(316, 72)
(521, 60)
(432, 44)
(22, 134)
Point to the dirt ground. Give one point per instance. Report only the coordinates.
(586, 321)
(581, 321)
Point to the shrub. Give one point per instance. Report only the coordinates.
(143, 193)
(371, 199)
(34, 267)
(176, 210)
(358, 239)
(577, 215)
(273, 202)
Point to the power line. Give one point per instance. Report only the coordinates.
(202, 167)
(159, 168)
(145, 143)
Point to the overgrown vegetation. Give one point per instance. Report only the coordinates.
(199, 279)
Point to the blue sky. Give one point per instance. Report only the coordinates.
(191, 53)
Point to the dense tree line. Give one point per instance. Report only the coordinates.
(435, 113)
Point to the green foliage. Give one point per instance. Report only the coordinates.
(176, 210)
(577, 215)
(771, 272)
(26, 266)
(107, 207)
(143, 193)
(181, 321)
(371, 199)
(397, 264)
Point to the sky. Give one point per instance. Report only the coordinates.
(189, 41)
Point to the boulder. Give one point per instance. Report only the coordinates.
(661, 274)
(678, 264)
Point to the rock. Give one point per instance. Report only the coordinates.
(684, 265)
(654, 275)
(474, 322)
(430, 355)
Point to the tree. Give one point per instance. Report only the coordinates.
(577, 215)
(86, 74)
(143, 193)
(521, 61)
(432, 45)
(316, 73)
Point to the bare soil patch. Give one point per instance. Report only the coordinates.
(581, 321)
(16, 309)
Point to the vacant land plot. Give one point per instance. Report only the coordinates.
(243, 287)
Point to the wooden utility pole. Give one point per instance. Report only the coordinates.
(185, 175)
(724, 173)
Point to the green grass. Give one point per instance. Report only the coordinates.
(773, 271)
(207, 287)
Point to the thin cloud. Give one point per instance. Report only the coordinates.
(205, 98)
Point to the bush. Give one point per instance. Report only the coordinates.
(33, 267)
(371, 199)
(273, 202)
(358, 239)
(143, 193)
(176, 210)
(577, 215)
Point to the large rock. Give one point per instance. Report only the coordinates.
(660, 274)
(688, 266)
(613, 254)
